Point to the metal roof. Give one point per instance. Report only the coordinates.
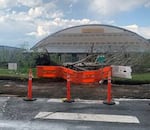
(83, 38)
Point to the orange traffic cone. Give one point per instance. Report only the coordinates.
(29, 93)
(109, 96)
(68, 92)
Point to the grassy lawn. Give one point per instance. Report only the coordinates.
(22, 73)
(141, 77)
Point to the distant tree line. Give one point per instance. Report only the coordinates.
(23, 58)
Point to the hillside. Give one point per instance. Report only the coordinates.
(8, 54)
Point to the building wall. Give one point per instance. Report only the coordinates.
(76, 42)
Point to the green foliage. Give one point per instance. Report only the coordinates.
(44, 59)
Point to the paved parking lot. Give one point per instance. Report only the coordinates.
(46, 114)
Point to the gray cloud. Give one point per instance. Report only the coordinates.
(107, 7)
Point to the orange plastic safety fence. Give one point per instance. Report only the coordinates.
(80, 77)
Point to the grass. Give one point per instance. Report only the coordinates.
(22, 73)
(141, 77)
(137, 77)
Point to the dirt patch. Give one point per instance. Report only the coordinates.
(57, 89)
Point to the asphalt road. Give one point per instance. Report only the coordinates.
(16, 114)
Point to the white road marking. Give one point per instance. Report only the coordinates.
(54, 100)
(129, 99)
(80, 101)
(87, 117)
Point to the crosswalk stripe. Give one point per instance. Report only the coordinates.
(87, 117)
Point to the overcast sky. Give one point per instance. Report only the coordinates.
(25, 22)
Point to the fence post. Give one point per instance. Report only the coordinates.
(109, 86)
(29, 93)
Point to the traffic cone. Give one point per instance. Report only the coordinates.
(29, 93)
(68, 99)
(109, 96)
